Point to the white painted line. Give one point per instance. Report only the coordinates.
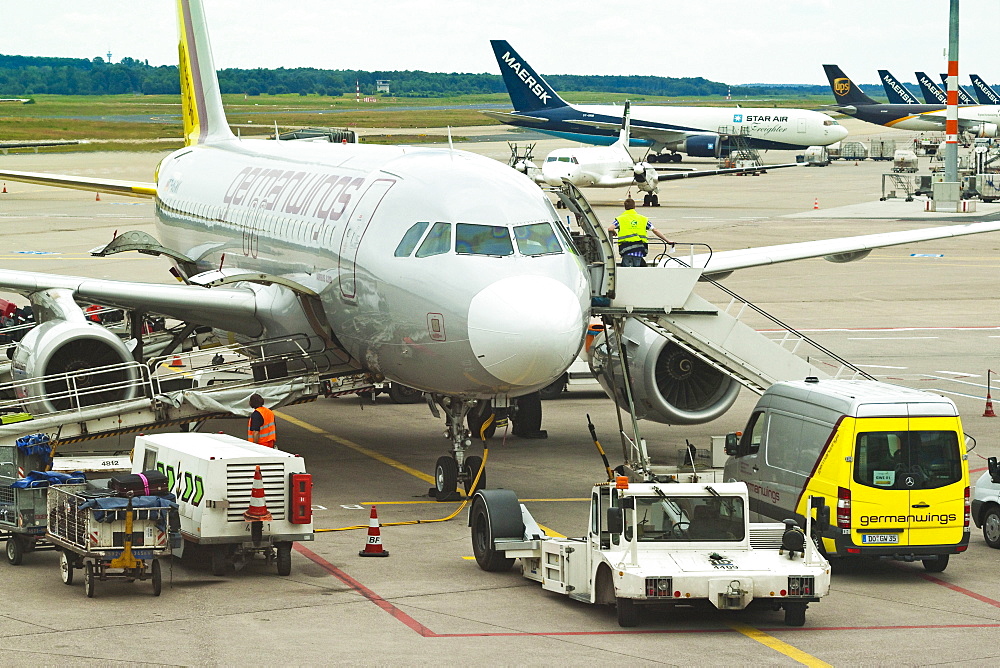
(881, 366)
(960, 382)
(956, 394)
(889, 338)
(963, 374)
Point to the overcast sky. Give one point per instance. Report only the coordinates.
(745, 41)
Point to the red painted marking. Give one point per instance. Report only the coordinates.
(366, 592)
(425, 632)
(961, 590)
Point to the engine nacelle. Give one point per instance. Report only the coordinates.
(985, 130)
(702, 146)
(68, 362)
(669, 384)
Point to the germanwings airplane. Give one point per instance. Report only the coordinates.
(437, 269)
(697, 131)
(980, 120)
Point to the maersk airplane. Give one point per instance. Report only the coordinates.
(697, 131)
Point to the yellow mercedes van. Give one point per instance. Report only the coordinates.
(889, 461)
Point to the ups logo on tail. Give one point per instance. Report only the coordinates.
(842, 86)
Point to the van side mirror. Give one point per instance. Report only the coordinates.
(822, 522)
(994, 469)
(732, 444)
(616, 520)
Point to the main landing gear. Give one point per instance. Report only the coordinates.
(664, 157)
(650, 199)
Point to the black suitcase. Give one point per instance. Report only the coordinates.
(139, 484)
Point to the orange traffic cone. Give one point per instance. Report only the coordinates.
(989, 406)
(176, 361)
(373, 548)
(5, 187)
(816, 203)
(257, 512)
(98, 198)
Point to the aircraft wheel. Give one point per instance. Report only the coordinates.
(554, 389)
(676, 157)
(628, 612)
(936, 565)
(65, 567)
(401, 394)
(472, 466)
(446, 476)
(655, 199)
(477, 416)
(991, 527)
(795, 614)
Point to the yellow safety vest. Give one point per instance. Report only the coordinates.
(266, 435)
(632, 227)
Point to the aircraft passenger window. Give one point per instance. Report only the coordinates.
(438, 241)
(482, 240)
(536, 239)
(410, 239)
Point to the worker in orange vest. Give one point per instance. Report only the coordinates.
(261, 428)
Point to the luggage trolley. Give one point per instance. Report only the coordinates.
(22, 497)
(109, 537)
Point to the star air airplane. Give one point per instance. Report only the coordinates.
(980, 120)
(697, 131)
(438, 269)
(613, 167)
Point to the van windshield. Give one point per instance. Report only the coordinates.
(679, 518)
(907, 459)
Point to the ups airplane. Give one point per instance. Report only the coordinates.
(437, 269)
(980, 120)
(697, 131)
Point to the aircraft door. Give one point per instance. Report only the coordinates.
(802, 125)
(354, 231)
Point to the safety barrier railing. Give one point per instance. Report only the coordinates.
(674, 254)
(77, 390)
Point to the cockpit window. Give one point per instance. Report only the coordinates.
(536, 239)
(482, 240)
(567, 240)
(830, 121)
(410, 239)
(438, 241)
(562, 158)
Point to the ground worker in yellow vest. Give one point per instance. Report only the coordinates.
(633, 230)
(261, 428)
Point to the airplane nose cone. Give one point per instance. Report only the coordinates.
(526, 330)
(841, 132)
(555, 172)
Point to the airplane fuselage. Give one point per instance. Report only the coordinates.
(923, 117)
(596, 166)
(354, 224)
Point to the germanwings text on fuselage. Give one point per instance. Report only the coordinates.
(293, 192)
(525, 75)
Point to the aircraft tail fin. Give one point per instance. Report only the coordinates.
(527, 89)
(963, 95)
(845, 91)
(984, 92)
(201, 99)
(931, 91)
(895, 91)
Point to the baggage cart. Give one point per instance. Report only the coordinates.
(22, 509)
(853, 150)
(107, 542)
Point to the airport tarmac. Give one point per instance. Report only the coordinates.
(922, 315)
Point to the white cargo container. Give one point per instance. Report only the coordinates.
(212, 476)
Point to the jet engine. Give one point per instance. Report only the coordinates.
(985, 130)
(702, 146)
(68, 362)
(669, 384)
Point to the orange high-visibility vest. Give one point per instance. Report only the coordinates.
(266, 435)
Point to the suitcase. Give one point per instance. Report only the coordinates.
(139, 484)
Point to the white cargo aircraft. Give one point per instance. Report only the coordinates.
(438, 269)
(697, 131)
(614, 167)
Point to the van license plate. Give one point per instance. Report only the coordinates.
(879, 539)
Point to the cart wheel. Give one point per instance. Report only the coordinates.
(220, 560)
(15, 550)
(89, 579)
(157, 578)
(284, 558)
(66, 567)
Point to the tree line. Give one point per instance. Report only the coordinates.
(23, 76)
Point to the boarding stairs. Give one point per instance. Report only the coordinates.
(741, 153)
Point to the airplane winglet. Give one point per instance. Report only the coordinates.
(204, 116)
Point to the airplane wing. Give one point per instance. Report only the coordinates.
(110, 186)
(639, 131)
(514, 118)
(845, 249)
(227, 308)
(716, 172)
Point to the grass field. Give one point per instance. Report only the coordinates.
(152, 122)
